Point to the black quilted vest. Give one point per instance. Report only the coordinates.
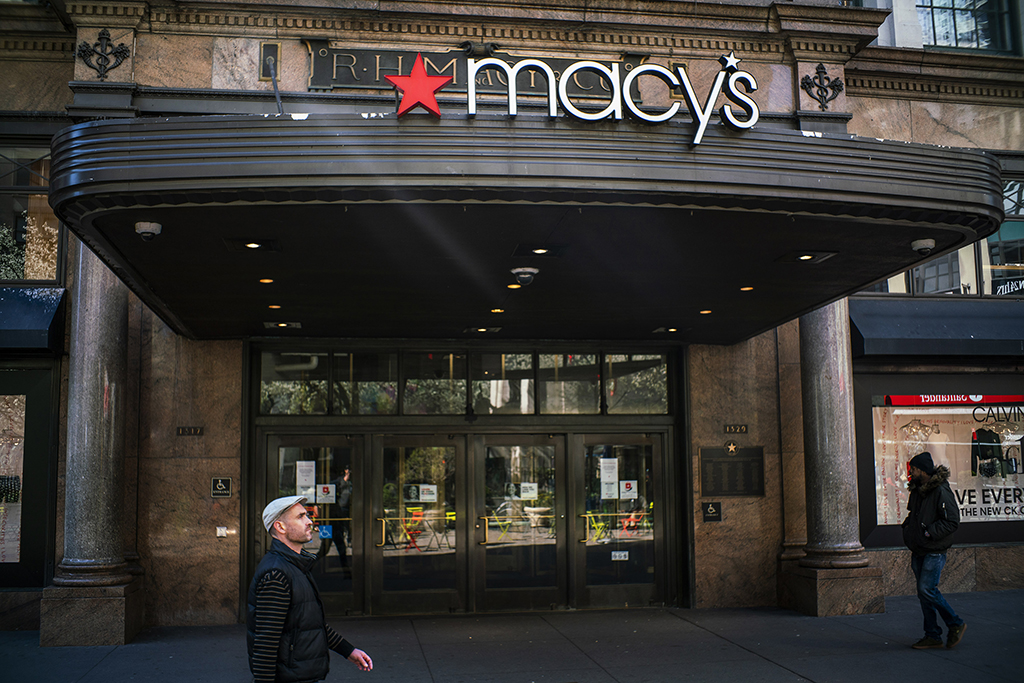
(303, 654)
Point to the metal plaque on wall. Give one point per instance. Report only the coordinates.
(732, 471)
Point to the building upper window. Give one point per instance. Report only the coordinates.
(29, 230)
(966, 24)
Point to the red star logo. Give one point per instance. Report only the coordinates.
(418, 89)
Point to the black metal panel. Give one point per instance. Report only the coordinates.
(937, 327)
(338, 158)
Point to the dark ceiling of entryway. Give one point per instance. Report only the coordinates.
(434, 270)
(359, 245)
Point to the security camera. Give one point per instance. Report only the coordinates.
(147, 231)
(923, 247)
(524, 276)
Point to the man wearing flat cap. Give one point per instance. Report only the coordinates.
(928, 532)
(287, 634)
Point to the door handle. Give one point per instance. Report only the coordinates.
(383, 532)
(586, 526)
(484, 519)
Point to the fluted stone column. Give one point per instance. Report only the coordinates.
(830, 453)
(834, 576)
(93, 600)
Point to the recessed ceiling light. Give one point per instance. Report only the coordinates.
(497, 310)
(282, 324)
(806, 256)
(514, 286)
(705, 311)
(534, 249)
(253, 245)
(673, 329)
(265, 281)
(275, 306)
(746, 289)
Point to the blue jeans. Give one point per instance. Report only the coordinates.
(928, 569)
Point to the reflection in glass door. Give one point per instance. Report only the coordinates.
(520, 524)
(618, 564)
(418, 557)
(327, 475)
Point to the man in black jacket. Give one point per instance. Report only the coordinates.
(928, 532)
(287, 635)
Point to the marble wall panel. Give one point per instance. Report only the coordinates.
(19, 609)
(775, 88)
(736, 559)
(179, 61)
(999, 568)
(191, 575)
(235, 65)
(293, 72)
(35, 86)
(883, 118)
(938, 123)
(959, 575)
(967, 125)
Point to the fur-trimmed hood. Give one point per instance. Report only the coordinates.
(940, 476)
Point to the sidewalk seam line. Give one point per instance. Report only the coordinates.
(423, 652)
(573, 642)
(746, 649)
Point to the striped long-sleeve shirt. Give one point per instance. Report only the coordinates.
(273, 596)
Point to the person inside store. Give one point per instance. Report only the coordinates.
(287, 634)
(928, 532)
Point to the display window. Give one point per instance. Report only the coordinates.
(977, 437)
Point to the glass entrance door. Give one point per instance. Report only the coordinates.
(520, 553)
(618, 521)
(419, 555)
(435, 524)
(326, 470)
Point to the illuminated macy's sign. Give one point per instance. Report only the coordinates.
(586, 90)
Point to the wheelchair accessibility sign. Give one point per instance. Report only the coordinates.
(221, 487)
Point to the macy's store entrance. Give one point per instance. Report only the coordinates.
(478, 522)
(473, 479)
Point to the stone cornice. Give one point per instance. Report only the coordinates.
(665, 28)
(106, 14)
(936, 76)
(56, 47)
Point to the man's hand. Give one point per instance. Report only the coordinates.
(361, 659)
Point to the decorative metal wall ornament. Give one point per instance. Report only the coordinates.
(107, 56)
(821, 88)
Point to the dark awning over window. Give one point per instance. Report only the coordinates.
(937, 327)
(30, 318)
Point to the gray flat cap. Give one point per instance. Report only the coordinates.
(277, 507)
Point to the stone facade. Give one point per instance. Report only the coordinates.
(194, 49)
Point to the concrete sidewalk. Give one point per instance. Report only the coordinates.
(581, 647)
